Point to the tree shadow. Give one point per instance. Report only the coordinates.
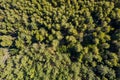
(74, 56)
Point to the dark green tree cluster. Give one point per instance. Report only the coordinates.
(59, 40)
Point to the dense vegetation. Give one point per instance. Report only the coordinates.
(59, 40)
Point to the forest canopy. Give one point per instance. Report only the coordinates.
(59, 39)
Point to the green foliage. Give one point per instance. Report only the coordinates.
(6, 40)
(59, 40)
